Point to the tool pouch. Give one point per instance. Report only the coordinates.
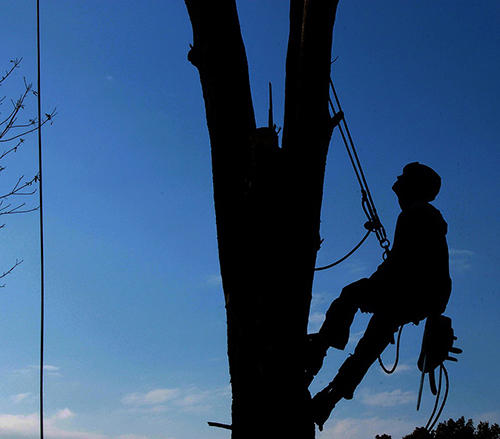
(437, 345)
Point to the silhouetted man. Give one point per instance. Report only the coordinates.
(412, 284)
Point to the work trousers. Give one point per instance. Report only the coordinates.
(379, 333)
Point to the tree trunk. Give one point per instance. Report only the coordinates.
(267, 205)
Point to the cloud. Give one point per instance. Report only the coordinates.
(196, 400)
(400, 368)
(352, 428)
(28, 427)
(189, 399)
(19, 425)
(214, 280)
(20, 397)
(354, 338)
(386, 399)
(51, 370)
(64, 414)
(48, 370)
(319, 299)
(461, 260)
(315, 321)
(355, 267)
(157, 396)
(491, 417)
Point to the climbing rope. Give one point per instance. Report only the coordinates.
(373, 224)
(435, 416)
(396, 360)
(360, 243)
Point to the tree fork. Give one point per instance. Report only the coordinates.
(267, 204)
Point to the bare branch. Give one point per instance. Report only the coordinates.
(15, 65)
(10, 271)
(13, 149)
(11, 130)
(9, 122)
(7, 210)
(18, 190)
(48, 117)
(17, 105)
(18, 187)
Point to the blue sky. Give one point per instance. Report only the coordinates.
(135, 321)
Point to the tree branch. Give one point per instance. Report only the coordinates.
(9, 271)
(219, 55)
(15, 65)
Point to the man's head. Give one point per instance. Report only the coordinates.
(417, 183)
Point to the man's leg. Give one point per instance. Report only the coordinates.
(335, 329)
(378, 335)
(339, 317)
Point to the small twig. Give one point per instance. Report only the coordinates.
(9, 271)
(24, 133)
(13, 149)
(16, 63)
(3, 210)
(18, 187)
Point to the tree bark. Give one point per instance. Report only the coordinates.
(267, 204)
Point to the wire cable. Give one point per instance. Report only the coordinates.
(40, 182)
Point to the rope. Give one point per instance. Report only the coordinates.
(367, 199)
(431, 423)
(360, 243)
(373, 224)
(395, 365)
(42, 267)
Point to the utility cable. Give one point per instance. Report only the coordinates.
(40, 182)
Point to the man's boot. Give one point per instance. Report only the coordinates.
(322, 405)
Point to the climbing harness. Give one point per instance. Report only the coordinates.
(373, 224)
